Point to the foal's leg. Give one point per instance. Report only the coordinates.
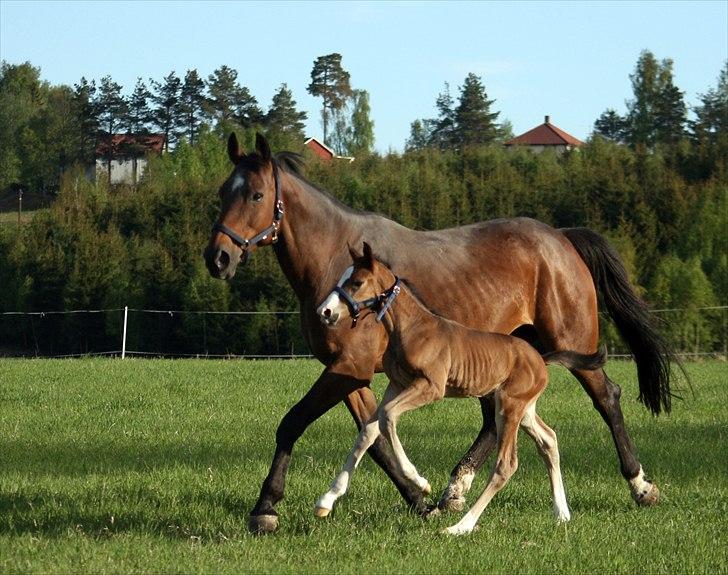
(461, 477)
(340, 485)
(508, 417)
(545, 440)
(420, 392)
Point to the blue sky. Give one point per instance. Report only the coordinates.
(570, 60)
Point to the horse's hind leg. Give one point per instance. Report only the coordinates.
(545, 440)
(508, 417)
(461, 478)
(605, 396)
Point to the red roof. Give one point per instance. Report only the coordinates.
(545, 135)
(319, 148)
(126, 145)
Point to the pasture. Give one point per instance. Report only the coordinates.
(152, 465)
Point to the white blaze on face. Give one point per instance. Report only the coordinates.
(332, 307)
(237, 183)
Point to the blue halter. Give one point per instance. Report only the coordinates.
(383, 301)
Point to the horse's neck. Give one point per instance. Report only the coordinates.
(313, 230)
(408, 317)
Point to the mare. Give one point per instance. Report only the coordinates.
(428, 358)
(513, 276)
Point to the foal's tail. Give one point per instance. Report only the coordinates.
(630, 314)
(575, 360)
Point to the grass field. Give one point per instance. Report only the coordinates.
(152, 466)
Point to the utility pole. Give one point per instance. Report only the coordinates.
(20, 204)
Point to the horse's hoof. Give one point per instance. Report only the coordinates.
(427, 489)
(431, 512)
(648, 496)
(262, 524)
(322, 512)
(454, 504)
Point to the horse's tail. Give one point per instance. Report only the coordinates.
(651, 352)
(575, 360)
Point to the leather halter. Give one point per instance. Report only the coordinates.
(383, 301)
(271, 230)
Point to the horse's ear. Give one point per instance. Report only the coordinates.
(233, 148)
(355, 257)
(262, 147)
(368, 256)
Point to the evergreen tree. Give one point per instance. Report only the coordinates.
(641, 109)
(420, 135)
(192, 101)
(670, 109)
(610, 125)
(247, 113)
(284, 119)
(166, 115)
(474, 122)
(443, 127)
(330, 81)
(711, 115)
(361, 140)
(87, 118)
(112, 110)
(139, 114)
(223, 98)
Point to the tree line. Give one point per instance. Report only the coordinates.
(663, 205)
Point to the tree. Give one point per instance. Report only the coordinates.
(192, 101)
(710, 128)
(112, 111)
(361, 140)
(284, 120)
(420, 135)
(229, 103)
(139, 114)
(610, 125)
(330, 81)
(443, 127)
(166, 113)
(87, 118)
(670, 109)
(641, 109)
(474, 122)
(247, 113)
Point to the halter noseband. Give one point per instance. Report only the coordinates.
(384, 300)
(271, 230)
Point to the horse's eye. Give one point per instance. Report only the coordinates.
(257, 196)
(355, 285)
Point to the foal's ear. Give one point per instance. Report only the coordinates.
(262, 147)
(368, 257)
(233, 148)
(355, 257)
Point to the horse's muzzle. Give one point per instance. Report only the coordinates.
(221, 263)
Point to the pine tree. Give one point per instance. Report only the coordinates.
(420, 135)
(166, 113)
(192, 101)
(641, 110)
(330, 81)
(670, 109)
(443, 127)
(139, 114)
(610, 125)
(711, 115)
(112, 109)
(283, 117)
(247, 113)
(87, 118)
(474, 122)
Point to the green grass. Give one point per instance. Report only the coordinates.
(152, 466)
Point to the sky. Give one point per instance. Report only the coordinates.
(569, 60)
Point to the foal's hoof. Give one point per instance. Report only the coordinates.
(649, 495)
(322, 512)
(431, 512)
(453, 504)
(427, 488)
(262, 524)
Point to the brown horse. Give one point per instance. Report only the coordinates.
(512, 276)
(428, 358)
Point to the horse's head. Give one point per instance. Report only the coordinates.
(251, 208)
(366, 285)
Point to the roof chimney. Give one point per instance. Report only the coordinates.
(547, 120)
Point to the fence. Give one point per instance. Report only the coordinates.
(128, 331)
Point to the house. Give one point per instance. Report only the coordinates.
(323, 151)
(546, 137)
(128, 156)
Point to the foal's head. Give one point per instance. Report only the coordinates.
(364, 286)
(248, 199)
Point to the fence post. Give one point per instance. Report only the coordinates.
(123, 338)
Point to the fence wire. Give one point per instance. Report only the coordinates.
(265, 334)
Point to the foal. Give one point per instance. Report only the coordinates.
(428, 358)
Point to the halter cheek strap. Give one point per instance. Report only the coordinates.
(384, 301)
(271, 230)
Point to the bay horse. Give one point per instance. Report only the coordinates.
(428, 358)
(513, 276)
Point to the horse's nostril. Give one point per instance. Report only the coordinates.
(222, 260)
(327, 312)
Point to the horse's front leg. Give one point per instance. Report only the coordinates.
(334, 384)
(461, 477)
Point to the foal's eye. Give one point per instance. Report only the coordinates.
(355, 285)
(257, 196)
